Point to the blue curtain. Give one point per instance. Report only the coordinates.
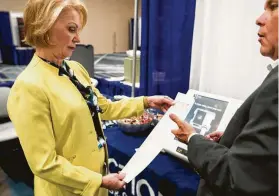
(6, 38)
(7, 47)
(167, 32)
(24, 55)
(9, 55)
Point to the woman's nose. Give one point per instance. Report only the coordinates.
(76, 38)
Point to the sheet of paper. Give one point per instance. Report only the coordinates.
(156, 140)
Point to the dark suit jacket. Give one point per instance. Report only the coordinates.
(245, 161)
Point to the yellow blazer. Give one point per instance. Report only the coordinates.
(56, 130)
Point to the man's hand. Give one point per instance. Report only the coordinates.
(215, 136)
(184, 129)
(160, 102)
(113, 181)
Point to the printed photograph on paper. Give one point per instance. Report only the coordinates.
(206, 113)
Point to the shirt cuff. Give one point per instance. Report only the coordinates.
(190, 136)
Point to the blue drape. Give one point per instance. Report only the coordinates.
(6, 38)
(24, 55)
(9, 55)
(7, 48)
(167, 32)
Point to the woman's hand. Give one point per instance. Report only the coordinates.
(113, 181)
(215, 136)
(160, 102)
(184, 129)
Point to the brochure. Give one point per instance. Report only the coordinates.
(206, 113)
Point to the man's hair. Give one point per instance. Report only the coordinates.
(40, 15)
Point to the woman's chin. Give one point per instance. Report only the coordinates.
(68, 54)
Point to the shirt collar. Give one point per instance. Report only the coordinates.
(272, 65)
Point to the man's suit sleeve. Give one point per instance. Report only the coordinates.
(249, 167)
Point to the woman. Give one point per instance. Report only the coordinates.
(56, 111)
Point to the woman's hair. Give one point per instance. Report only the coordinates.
(40, 15)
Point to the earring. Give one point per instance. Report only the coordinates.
(47, 39)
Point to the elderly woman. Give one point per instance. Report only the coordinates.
(56, 111)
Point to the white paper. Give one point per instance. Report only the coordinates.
(155, 142)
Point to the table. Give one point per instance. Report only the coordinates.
(165, 176)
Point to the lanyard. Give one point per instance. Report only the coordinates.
(89, 96)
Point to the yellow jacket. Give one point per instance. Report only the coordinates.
(56, 130)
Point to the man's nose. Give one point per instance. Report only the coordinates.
(261, 20)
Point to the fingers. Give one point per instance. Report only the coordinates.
(176, 132)
(217, 134)
(184, 126)
(113, 181)
(121, 183)
(169, 101)
(121, 176)
(208, 137)
(215, 139)
(213, 134)
(176, 119)
(160, 102)
(164, 108)
(184, 129)
(182, 137)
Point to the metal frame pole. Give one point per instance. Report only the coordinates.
(135, 46)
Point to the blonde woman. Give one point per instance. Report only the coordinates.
(56, 111)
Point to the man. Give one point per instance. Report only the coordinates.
(244, 160)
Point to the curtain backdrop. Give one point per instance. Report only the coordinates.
(226, 57)
(6, 38)
(7, 48)
(167, 32)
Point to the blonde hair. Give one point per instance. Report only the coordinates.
(40, 15)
